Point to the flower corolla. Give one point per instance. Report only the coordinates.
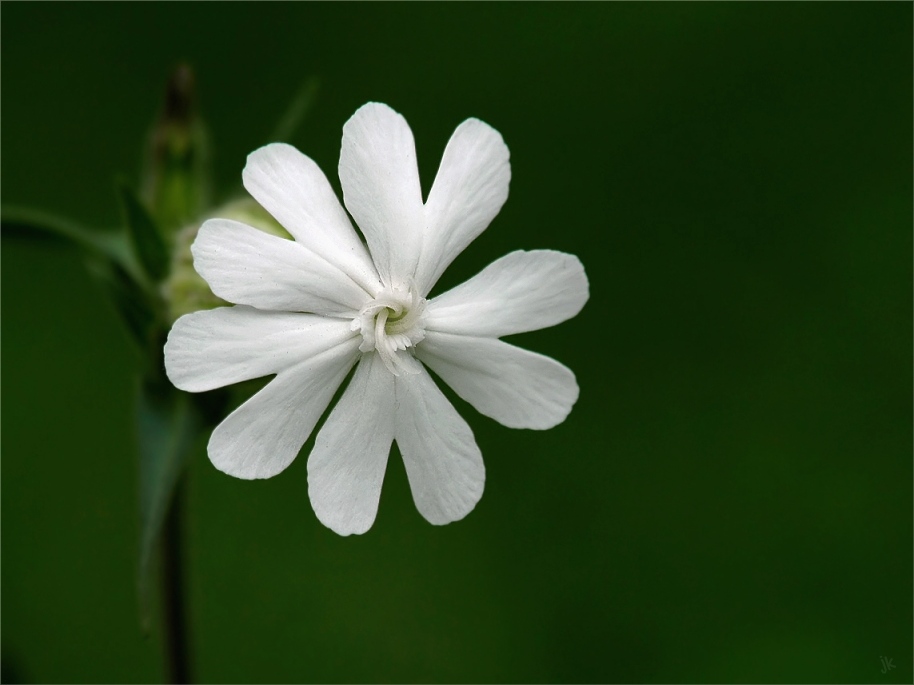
(309, 309)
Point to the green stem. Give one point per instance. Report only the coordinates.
(177, 653)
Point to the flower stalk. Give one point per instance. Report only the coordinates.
(176, 637)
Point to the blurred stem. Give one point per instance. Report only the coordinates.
(173, 595)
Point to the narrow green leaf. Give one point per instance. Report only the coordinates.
(108, 258)
(168, 428)
(129, 299)
(145, 235)
(33, 223)
(295, 114)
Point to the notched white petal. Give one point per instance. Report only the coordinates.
(218, 347)
(291, 187)
(469, 190)
(381, 189)
(522, 291)
(516, 387)
(264, 435)
(247, 266)
(443, 463)
(346, 467)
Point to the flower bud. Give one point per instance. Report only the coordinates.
(176, 174)
(185, 291)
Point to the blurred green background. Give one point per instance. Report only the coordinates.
(729, 501)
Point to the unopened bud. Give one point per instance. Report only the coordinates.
(176, 177)
(185, 290)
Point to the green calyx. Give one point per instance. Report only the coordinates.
(185, 291)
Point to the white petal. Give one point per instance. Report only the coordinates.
(346, 466)
(264, 435)
(217, 347)
(247, 266)
(522, 291)
(292, 188)
(381, 189)
(516, 387)
(443, 463)
(469, 190)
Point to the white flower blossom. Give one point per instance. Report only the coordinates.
(307, 310)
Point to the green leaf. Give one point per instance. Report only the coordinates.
(112, 245)
(147, 240)
(108, 257)
(168, 428)
(129, 299)
(295, 114)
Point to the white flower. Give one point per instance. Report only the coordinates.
(308, 310)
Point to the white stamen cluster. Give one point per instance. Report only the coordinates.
(391, 323)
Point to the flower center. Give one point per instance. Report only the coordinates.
(390, 324)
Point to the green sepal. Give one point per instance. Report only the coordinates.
(169, 426)
(145, 236)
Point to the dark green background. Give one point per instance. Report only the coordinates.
(730, 500)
